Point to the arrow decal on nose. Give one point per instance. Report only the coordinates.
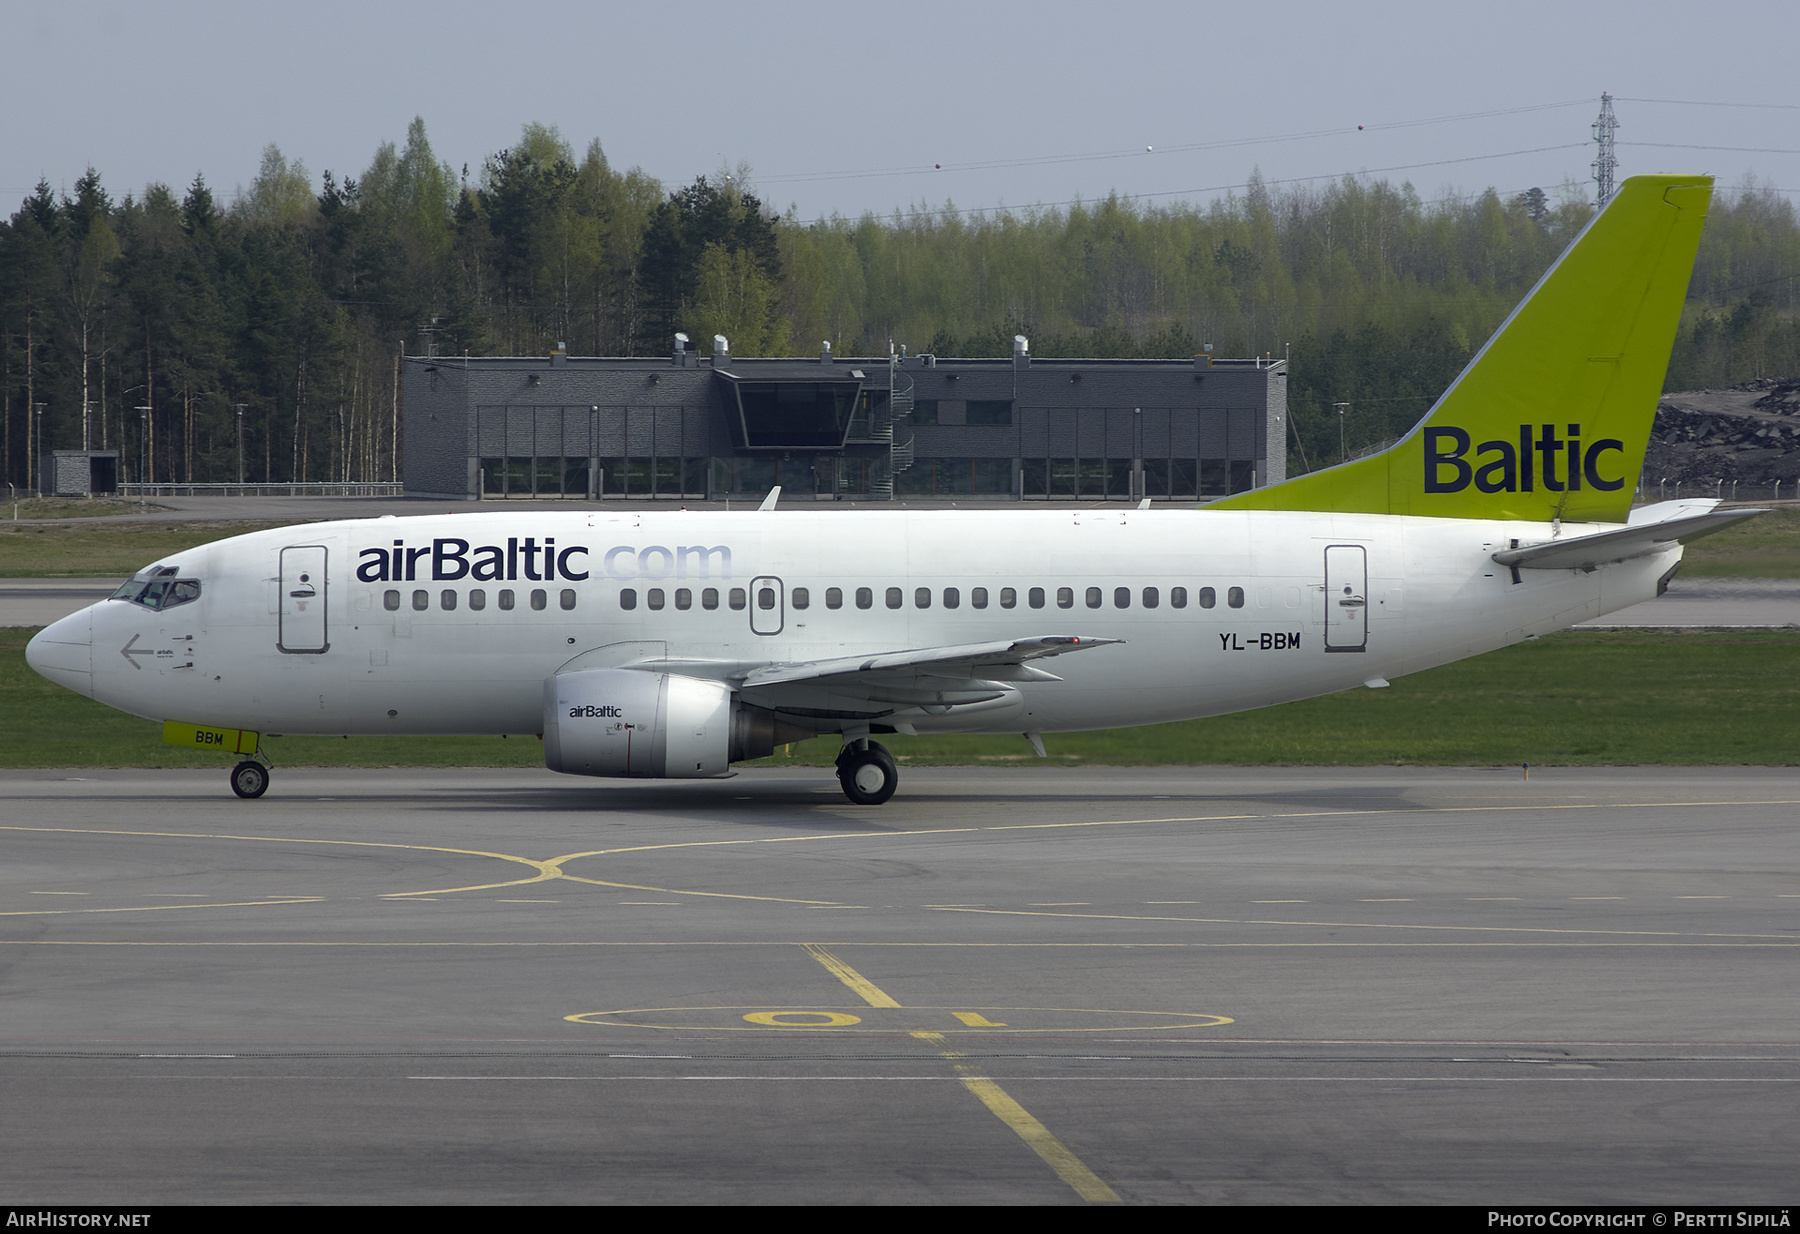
(128, 653)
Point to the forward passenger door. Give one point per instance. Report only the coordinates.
(302, 628)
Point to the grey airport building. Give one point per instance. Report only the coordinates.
(695, 427)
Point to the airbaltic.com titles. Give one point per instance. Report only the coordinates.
(450, 558)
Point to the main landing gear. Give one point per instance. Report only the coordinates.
(250, 778)
(867, 773)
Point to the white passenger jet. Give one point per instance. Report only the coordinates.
(674, 643)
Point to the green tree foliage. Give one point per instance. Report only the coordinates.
(723, 231)
(293, 303)
(734, 296)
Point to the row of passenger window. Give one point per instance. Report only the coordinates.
(800, 598)
(447, 599)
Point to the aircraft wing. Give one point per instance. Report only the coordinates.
(998, 661)
(897, 687)
(1684, 522)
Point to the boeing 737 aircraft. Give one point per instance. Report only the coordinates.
(674, 643)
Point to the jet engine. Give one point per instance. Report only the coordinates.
(627, 722)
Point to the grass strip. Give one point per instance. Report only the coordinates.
(105, 550)
(1587, 698)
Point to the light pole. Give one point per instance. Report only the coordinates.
(38, 457)
(1137, 451)
(239, 408)
(143, 451)
(1341, 408)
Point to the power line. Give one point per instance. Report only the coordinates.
(1225, 188)
(809, 177)
(1672, 145)
(1703, 103)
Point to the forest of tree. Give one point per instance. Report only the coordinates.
(295, 300)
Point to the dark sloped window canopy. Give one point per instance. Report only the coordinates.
(790, 415)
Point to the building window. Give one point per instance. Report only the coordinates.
(1215, 477)
(925, 411)
(990, 412)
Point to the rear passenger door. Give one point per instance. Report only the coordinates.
(1346, 598)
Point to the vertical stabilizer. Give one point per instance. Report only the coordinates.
(1552, 417)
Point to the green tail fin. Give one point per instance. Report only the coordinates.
(1551, 418)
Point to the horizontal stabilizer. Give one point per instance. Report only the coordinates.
(1691, 521)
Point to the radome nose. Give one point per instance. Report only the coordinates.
(64, 652)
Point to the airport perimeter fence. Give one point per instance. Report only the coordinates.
(1722, 490)
(312, 489)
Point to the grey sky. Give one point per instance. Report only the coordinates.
(848, 108)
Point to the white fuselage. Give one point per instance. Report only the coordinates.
(260, 650)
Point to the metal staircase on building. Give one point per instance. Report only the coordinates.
(887, 425)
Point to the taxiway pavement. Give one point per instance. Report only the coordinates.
(1007, 985)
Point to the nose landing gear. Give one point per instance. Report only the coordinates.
(867, 773)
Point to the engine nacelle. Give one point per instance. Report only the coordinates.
(627, 722)
(621, 722)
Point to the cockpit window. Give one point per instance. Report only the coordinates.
(135, 583)
(157, 588)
